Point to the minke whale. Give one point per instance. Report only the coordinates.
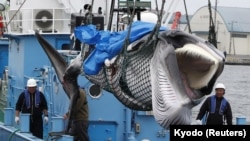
(169, 76)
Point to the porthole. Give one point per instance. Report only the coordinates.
(95, 91)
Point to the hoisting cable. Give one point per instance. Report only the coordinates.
(211, 34)
(130, 18)
(111, 13)
(187, 18)
(158, 25)
(126, 43)
(154, 34)
(16, 13)
(123, 53)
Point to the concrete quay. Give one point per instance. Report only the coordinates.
(238, 59)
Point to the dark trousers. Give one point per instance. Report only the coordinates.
(36, 126)
(79, 129)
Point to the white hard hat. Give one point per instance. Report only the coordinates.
(31, 83)
(220, 85)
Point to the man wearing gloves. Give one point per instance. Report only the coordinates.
(32, 101)
(216, 108)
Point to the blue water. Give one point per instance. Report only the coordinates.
(237, 81)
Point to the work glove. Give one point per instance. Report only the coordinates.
(17, 120)
(198, 122)
(46, 119)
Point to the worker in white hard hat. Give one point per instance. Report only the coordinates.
(32, 101)
(216, 108)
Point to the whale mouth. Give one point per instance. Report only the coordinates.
(197, 68)
(183, 70)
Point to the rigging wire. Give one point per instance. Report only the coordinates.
(111, 15)
(16, 12)
(211, 34)
(187, 18)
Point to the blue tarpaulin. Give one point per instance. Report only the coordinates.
(108, 44)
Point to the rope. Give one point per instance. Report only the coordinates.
(188, 22)
(16, 13)
(12, 134)
(211, 35)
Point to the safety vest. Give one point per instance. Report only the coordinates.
(222, 106)
(27, 98)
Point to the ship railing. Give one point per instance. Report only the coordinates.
(25, 21)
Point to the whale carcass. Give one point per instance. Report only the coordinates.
(168, 75)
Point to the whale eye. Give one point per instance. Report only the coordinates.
(95, 91)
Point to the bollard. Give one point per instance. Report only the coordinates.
(57, 124)
(240, 121)
(8, 116)
(24, 122)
